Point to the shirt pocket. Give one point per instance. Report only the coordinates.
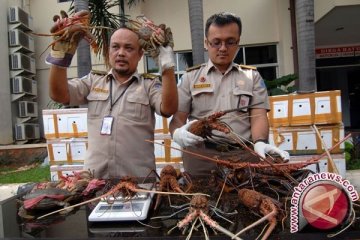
(97, 104)
(241, 99)
(203, 102)
(137, 107)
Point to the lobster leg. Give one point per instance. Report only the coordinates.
(216, 226)
(261, 220)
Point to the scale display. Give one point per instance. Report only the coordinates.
(123, 209)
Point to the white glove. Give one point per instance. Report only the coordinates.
(166, 58)
(185, 138)
(261, 148)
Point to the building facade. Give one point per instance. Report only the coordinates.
(268, 40)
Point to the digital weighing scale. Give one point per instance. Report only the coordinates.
(124, 209)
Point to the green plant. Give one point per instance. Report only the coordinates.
(352, 154)
(103, 21)
(282, 85)
(54, 105)
(37, 174)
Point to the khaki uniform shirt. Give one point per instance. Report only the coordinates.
(124, 152)
(204, 90)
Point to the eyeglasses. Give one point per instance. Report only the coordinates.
(228, 43)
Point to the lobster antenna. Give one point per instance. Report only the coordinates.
(241, 108)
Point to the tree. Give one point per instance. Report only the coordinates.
(304, 10)
(197, 30)
(83, 50)
(103, 23)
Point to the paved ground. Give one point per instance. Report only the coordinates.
(8, 190)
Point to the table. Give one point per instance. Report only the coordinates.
(76, 226)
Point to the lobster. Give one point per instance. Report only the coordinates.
(69, 29)
(151, 36)
(169, 181)
(263, 204)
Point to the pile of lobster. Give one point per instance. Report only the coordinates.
(261, 186)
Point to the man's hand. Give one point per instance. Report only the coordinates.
(262, 148)
(185, 138)
(67, 33)
(166, 58)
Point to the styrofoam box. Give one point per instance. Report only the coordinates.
(339, 160)
(304, 139)
(67, 151)
(65, 123)
(62, 170)
(163, 153)
(178, 166)
(305, 109)
(162, 124)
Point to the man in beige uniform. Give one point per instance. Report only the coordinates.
(219, 85)
(121, 105)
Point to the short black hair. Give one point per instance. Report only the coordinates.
(221, 19)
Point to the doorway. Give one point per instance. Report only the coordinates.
(347, 80)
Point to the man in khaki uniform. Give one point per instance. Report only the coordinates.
(121, 105)
(219, 85)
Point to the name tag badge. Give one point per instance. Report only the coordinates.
(244, 101)
(106, 125)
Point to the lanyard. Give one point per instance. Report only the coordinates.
(111, 99)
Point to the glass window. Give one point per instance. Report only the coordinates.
(239, 58)
(267, 73)
(151, 66)
(183, 60)
(260, 54)
(263, 57)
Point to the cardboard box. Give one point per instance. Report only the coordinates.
(164, 153)
(305, 109)
(162, 124)
(65, 123)
(304, 140)
(56, 171)
(67, 151)
(339, 160)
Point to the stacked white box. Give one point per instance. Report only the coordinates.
(67, 143)
(295, 119)
(65, 123)
(67, 151)
(305, 109)
(164, 154)
(304, 140)
(339, 160)
(56, 171)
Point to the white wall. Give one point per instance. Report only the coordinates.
(264, 21)
(6, 136)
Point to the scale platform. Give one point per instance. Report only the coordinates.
(124, 209)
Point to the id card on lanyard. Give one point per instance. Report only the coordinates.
(106, 125)
(107, 122)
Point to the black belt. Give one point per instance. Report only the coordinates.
(223, 147)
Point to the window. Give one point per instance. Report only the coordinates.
(263, 57)
(183, 60)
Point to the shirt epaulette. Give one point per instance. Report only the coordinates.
(99, 72)
(193, 68)
(149, 76)
(247, 67)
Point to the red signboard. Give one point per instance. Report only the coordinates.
(335, 52)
